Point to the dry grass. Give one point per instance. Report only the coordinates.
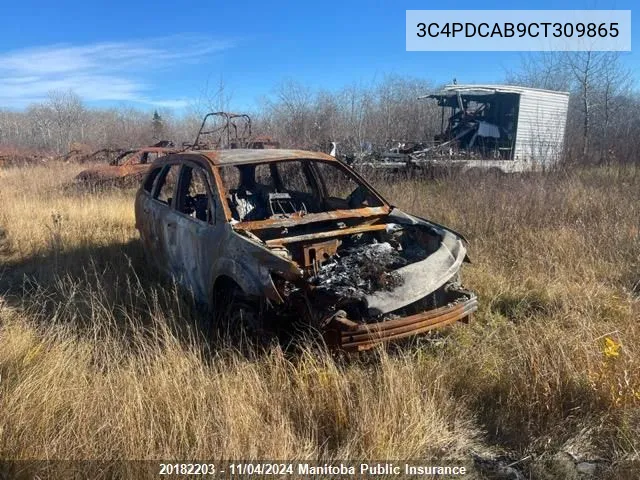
(100, 359)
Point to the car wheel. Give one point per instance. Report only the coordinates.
(238, 315)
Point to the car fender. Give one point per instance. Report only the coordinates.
(253, 280)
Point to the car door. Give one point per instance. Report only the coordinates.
(199, 230)
(164, 219)
(145, 216)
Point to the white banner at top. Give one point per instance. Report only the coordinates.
(518, 30)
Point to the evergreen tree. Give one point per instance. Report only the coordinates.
(157, 126)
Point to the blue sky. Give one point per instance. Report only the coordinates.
(164, 53)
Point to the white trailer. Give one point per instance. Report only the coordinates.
(505, 127)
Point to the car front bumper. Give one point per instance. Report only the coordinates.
(351, 336)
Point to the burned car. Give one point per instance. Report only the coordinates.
(300, 234)
(128, 168)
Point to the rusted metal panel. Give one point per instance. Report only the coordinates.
(328, 234)
(247, 156)
(315, 217)
(317, 252)
(130, 168)
(354, 337)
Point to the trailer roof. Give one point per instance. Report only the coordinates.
(451, 90)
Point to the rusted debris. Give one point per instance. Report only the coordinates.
(13, 156)
(300, 235)
(354, 337)
(126, 169)
(83, 154)
(263, 142)
(232, 131)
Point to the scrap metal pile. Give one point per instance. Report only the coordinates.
(80, 153)
(476, 124)
(467, 137)
(124, 169)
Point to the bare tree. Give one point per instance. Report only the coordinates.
(545, 70)
(599, 83)
(585, 67)
(67, 115)
(614, 90)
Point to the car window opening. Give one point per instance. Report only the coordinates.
(194, 196)
(167, 184)
(289, 189)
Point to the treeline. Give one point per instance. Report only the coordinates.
(357, 117)
(295, 115)
(63, 120)
(604, 113)
(604, 106)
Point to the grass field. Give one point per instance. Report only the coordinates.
(101, 359)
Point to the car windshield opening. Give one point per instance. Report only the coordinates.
(292, 188)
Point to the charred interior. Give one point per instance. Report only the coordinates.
(292, 189)
(479, 124)
(367, 277)
(342, 272)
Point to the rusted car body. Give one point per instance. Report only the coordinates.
(127, 169)
(300, 234)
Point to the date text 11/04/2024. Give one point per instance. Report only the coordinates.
(248, 469)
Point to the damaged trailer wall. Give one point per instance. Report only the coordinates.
(541, 126)
(539, 129)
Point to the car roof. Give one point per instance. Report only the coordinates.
(243, 156)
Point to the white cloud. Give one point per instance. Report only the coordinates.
(168, 103)
(100, 71)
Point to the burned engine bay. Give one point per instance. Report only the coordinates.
(370, 272)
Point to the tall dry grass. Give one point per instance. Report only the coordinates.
(102, 359)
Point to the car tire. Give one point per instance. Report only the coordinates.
(239, 316)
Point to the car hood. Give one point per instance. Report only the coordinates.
(421, 278)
